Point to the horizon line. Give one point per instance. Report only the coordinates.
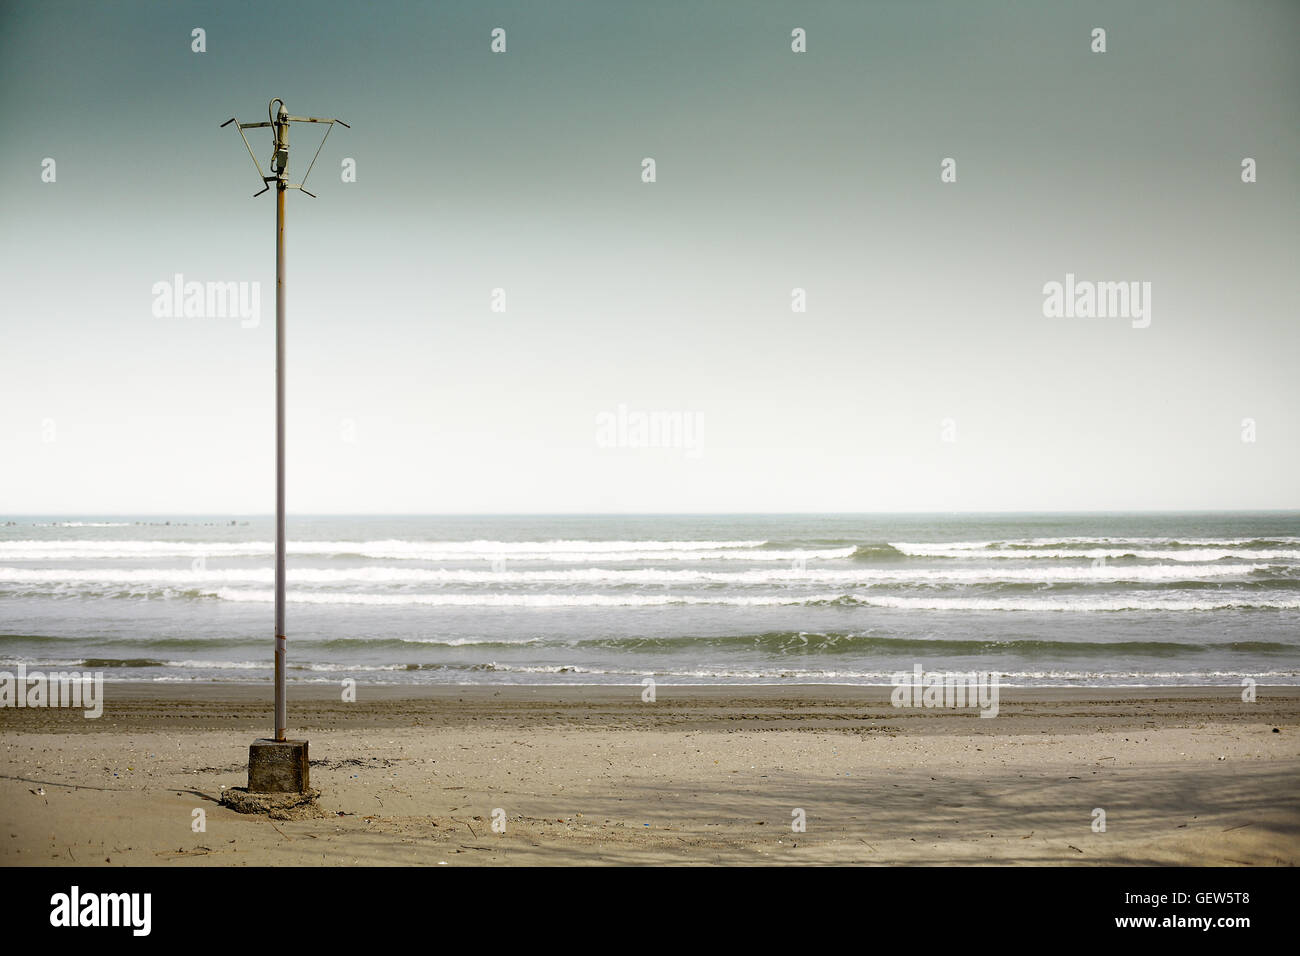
(628, 514)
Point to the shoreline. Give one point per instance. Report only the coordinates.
(419, 687)
(216, 705)
(319, 691)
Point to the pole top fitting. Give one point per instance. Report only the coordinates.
(279, 121)
(280, 125)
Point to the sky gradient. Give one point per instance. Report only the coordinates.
(775, 170)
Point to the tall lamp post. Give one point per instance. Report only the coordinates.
(280, 765)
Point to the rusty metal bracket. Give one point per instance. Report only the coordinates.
(241, 127)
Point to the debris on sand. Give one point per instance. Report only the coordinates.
(277, 806)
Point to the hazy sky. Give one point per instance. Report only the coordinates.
(775, 170)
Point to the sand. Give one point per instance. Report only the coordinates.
(701, 776)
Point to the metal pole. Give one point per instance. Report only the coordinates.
(281, 712)
(279, 121)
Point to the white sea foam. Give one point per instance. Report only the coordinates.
(614, 576)
(565, 551)
(510, 600)
(84, 524)
(1115, 603)
(1016, 543)
(1185, 555)
(200, 669)
(583, 551)
(466, 641)
(339, 547)
(1118, 603)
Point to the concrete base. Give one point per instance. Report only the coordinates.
(278, 766)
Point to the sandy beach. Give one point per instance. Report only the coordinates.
(703, 775)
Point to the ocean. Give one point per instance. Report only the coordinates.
(1042, 599)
